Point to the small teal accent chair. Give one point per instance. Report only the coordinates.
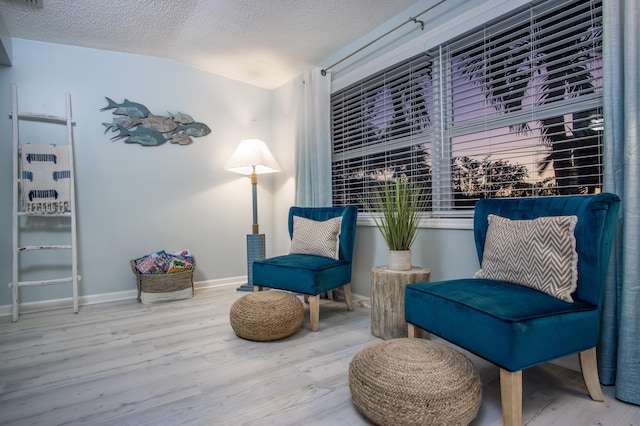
(308, 274)
(516, 327)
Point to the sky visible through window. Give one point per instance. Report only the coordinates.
(510, 109)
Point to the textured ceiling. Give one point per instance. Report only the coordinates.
(262, 42)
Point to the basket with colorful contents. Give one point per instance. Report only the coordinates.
(163, 276)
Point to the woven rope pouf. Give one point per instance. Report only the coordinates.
(266, 315)
(414, 382)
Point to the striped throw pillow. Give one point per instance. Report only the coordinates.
(539, 253)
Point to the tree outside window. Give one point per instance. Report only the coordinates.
(516, 112)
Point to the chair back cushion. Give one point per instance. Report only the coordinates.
(593, 232)
(348, 227)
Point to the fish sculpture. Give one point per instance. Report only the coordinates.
(194, 129)
(158, 122)
(143, 135)
(180, 139)
(181, 118)
(127, 108)
(137, 124)
(123, 120)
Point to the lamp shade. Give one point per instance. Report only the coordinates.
(252, 155)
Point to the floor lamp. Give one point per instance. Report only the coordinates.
(252, 158)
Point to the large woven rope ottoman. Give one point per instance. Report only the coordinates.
(266, 315)
(414, 382)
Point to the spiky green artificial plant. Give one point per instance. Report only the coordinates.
(399, 205)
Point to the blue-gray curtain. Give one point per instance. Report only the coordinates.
(313, 147)
(619, 350)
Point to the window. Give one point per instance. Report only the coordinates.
(381, 128)
(510, 109)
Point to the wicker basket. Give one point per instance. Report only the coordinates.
(164, 287)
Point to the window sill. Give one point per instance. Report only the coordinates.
(428, 223)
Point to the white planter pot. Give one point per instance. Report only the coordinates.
(399, 260)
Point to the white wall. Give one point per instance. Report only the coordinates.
(448, 251)
(283, 145)
(441, 23)
(132, 200)
(5, 44)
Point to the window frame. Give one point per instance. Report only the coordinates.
(444, 132)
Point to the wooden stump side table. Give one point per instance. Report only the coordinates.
(387, 299)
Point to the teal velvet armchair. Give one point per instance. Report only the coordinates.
(320, 260)
(517, 326)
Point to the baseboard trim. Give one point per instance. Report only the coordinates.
(116, 296)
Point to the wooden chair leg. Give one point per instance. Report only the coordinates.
(415, 332)
(347, 296)
(314, 311)
(306, 298)
(511, 395)
(257, 288)
(589, 367)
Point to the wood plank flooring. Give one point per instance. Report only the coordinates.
(180, 363)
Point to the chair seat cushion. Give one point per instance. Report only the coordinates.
(302, 273)
(512, 326)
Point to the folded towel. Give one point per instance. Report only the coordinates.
(46, 179)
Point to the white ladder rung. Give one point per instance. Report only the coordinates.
(41, 117)
(44, 282)
(44, 214)
(44, 247)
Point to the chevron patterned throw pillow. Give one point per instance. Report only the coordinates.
(539, 253)
(319, 238)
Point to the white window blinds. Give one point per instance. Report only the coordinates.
(510, 109)
(381, 128)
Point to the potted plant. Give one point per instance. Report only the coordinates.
(398, 205)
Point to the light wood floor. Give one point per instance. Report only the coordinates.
(181, 363)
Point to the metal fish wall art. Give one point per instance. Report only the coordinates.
(194, 129)
(120, 120)
(145, 136)
(127, 108)
(180, 139)
(181, 118)
(138, 125)
(157, 122)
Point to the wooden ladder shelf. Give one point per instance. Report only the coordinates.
(19, 204)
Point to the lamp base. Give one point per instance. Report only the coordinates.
(245, 287)
(255, 251)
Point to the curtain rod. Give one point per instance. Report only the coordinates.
(411, 19)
